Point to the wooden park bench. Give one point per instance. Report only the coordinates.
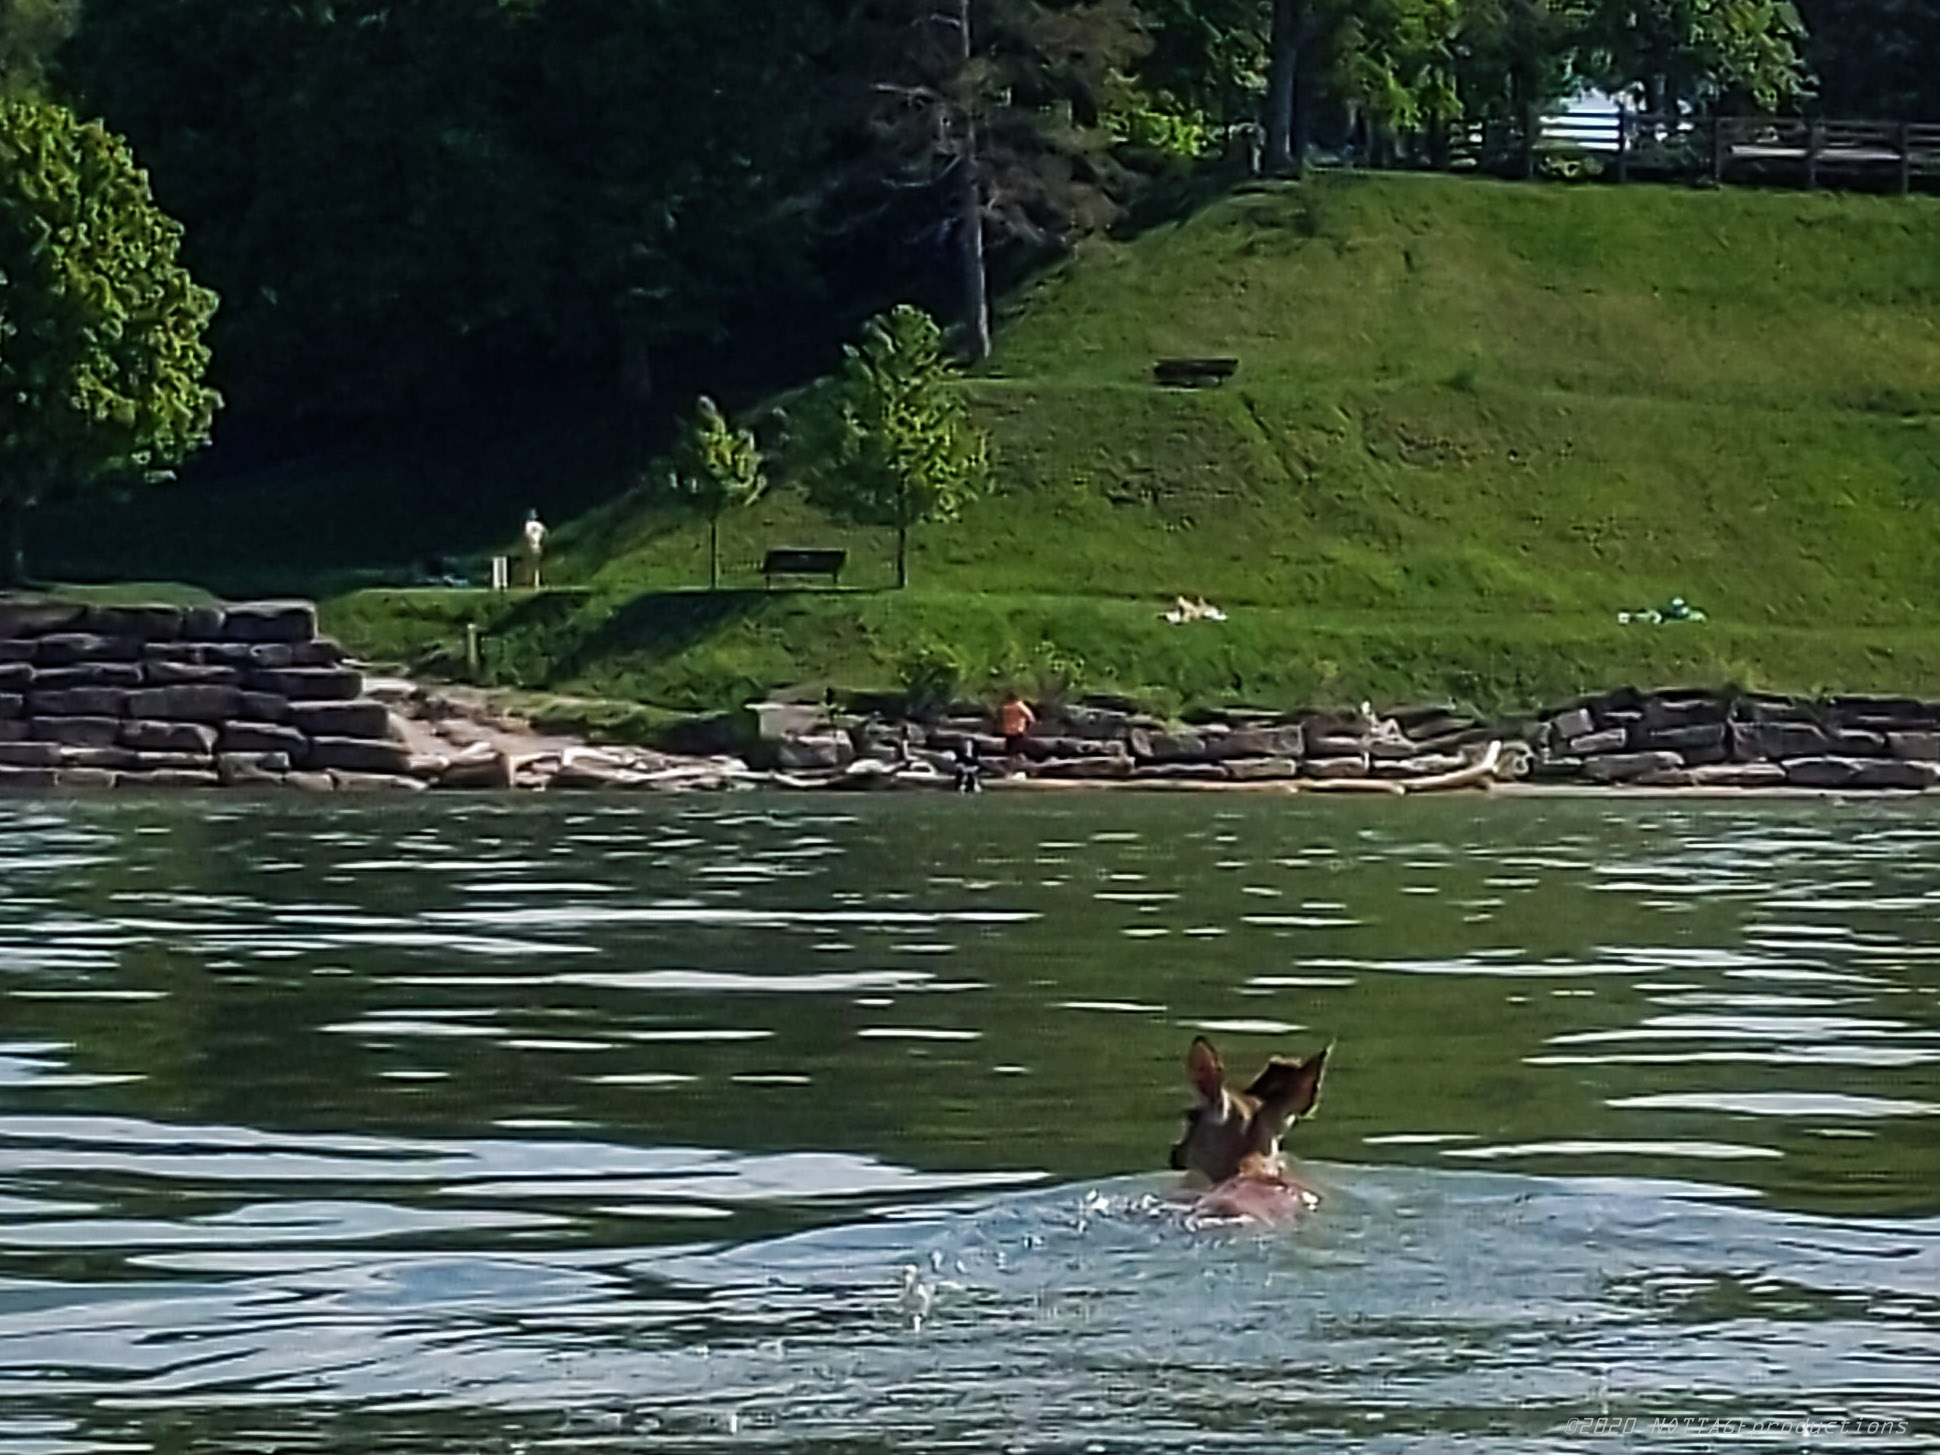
(803, 561)
(1193, 373)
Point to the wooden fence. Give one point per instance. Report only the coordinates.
(1744, 148)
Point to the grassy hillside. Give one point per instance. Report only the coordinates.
(1471, 422)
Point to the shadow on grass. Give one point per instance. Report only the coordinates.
(657, 624)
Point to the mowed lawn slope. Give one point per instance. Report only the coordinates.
(1472, 421)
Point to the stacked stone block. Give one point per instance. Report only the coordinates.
(158, 696)
(1697, 738)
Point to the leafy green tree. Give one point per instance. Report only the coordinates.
(716, 467)
(30, 32)
(903, 449)
(1678, 50)
(101, 328)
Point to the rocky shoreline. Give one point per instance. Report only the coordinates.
(249, 695)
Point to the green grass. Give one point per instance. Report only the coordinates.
(1472, 421)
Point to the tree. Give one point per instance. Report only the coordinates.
(997, 106)
(1875, 57)
(101, 329)
(904, 450)
(30, 32)
(715, 468)
(1678, 50)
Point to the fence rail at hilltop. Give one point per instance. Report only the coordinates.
(1810, 151)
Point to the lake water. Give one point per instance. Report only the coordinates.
(837, 1124)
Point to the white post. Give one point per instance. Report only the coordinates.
(501, 572)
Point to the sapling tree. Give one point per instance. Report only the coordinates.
(904, 450)
(716, 467)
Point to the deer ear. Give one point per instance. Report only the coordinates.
(1291, 1087)
(1202, 1066)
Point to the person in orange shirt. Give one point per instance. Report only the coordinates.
(1014, 721)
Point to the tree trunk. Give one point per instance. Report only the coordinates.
(714, 553)
(976, 278)
(902, 556)
(1283, 147)
(13, 546)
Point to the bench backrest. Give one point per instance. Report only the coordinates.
(803, 561)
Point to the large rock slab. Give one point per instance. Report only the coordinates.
(87, 674)
(142, 623)
(815, 751)
(64, 649)
(359, 755)
(1285, 741)
(1180, 773)
(357, 718)
(29, 755)
(1893, 773)
(1603, 740)
(1821, 772)
(1738, 775)
(1099, 767)
(252, 770)
(1625, 767)
(172, 778)
(306, 684)
(1920, 746)
(1184, 746)
(1352, 767)
(166, 672)
(170, 737)
(252, 737)
(39, 618)
(189, 702)
(1262, 770)
(1778, 740)
(269, 621)
(78, 702)
(82, 732)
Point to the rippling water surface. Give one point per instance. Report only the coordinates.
(825, 1124)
